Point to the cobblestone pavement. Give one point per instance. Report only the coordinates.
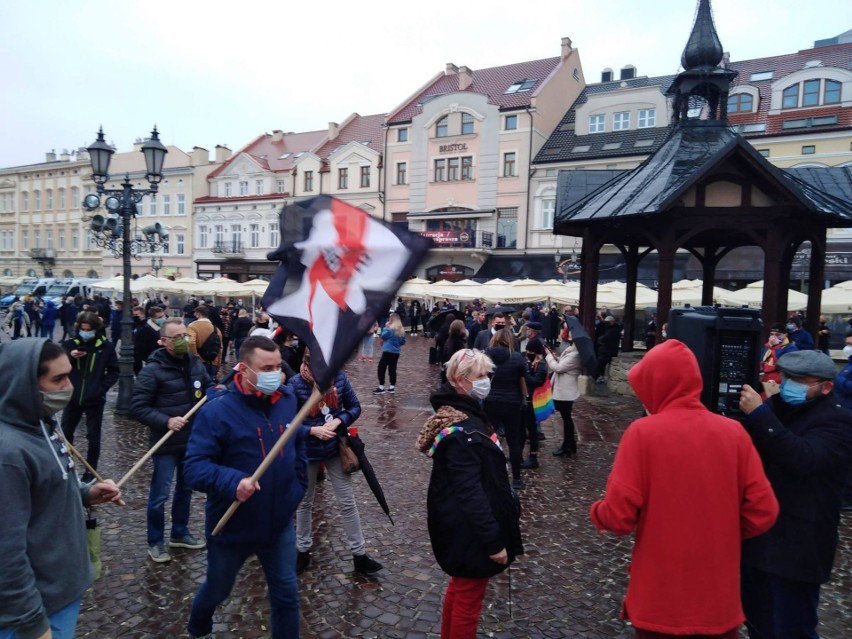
(570, 582)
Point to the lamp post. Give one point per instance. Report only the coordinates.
(114, 234)
(156, 264)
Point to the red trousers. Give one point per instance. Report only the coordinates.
(462, 605)
(647, 634)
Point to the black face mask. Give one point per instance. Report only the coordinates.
(531, 356)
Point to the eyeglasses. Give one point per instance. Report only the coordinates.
(176, 338)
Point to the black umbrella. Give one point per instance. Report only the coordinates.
(585, 345)
(357, 446)
(437, 322)
(506, 310)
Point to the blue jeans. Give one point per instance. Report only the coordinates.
(278, 560)
(63, 624)
(778, 608)
(161, 485)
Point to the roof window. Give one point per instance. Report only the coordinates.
(521, 86)
(761, 75)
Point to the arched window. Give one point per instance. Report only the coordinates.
(831, 93)
(442, 127)
(811, 93)
(791, 97)
(740, 103)
(92, 274)
(67, 273)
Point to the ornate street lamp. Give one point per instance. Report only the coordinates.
(114, 234)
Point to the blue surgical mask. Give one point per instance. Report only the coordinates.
(86, 335)
(791, 327)
(267, 381)
(795, 393)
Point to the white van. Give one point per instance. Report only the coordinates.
(65, 287)
(30, 286)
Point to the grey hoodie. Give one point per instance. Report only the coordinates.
(44, 560)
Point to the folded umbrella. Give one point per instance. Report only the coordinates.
(584, 344)
(357, 446)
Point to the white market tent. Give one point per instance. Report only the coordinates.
(415, 287)
(689, 292)
(837, 299)
(752, 296)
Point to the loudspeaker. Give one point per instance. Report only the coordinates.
(97, 224)
(726, 343)
(111, 226)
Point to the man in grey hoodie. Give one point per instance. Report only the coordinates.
(44, 560)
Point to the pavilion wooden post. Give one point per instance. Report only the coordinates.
(631, 257)
(817, 277)
(773, 309)
(589, 280)
(666, 250)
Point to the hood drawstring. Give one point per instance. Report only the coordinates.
(49, 441)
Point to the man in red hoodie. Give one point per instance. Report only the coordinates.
(692, 486)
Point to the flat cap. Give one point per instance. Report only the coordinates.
(807, 364)
(536, 326)
(534, 345)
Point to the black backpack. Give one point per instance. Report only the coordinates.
(209, 350)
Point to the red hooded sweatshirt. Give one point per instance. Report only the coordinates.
(691, 485)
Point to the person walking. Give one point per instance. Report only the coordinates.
(473, 516)
(691, 486)
(94, 369)
(170, 384)
(608, 341)
(534, 377)
(44, 558)
(146, 340)
(508, 392)
(17, 320)
(230, 438)
(368, 343)
(48, 319)
(414, 311)
(327, 421)
(240, 330)
(393, 338)
(68, 317)
(566, 370)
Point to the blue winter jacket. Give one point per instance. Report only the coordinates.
(843, 385)
(231, 435)
(348, 411)
(391, 342)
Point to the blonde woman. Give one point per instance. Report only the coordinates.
(393, 337)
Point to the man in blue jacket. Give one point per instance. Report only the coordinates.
(230, 438)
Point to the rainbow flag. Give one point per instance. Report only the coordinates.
(543, 401)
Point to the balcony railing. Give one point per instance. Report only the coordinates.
(42, 254)
(234, 247)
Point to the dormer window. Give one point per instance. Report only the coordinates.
(740, 103)
(520, 86)
(811, 93)
(621, 121)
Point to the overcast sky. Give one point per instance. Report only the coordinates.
(218, 72)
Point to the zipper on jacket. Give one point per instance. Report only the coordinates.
(260, 439)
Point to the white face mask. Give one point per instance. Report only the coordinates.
(847, 350)
(480, 388)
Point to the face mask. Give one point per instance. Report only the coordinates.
(480, 388)
(267, 381)
(86, 335)
(180, 347)
(847, 350)
(791, 327)
(794, 393)
(531, 356)
(160, 322)
(774, 340)
(665, 334)
(54, 401)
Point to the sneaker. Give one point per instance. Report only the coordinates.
(303, 560)
(365, 565)
(531, 462)
(391, 389)
(158, 553)
(371, 360)
(363, 359)
(517, 484)
(187, 541)
(379, 390)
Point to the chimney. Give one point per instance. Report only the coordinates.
(566, 47)
(222, 153)
(82, 154)
(606, 75)
(277, 135)
(465, 78)
(333, 130)
(628, 72)
(65, 156)
(50, 157)
(199, 156)
(137, 145)
(451, 69)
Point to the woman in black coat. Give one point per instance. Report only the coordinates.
(473, 516)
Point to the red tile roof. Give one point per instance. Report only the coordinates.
(269, 154)
(492, 82)
(836, 56)
(357, 128)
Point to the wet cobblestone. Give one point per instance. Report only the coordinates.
(570, 583)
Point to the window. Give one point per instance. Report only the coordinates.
(237, 234)
(152, 206)
(180, 244)
(621, 121)
(167, 204)
(25, 240)
(202, 236)
(343, 178)
(831, 93)
(37, 239)
(509, 164)
(764, 152)
(181, 204)
(597, 123)
(258, 187)
(61, 239)
(228, 187)
(790, 97)
(507, 227)
(440, 170)
(244, 187)
(75, 197)
(62, 198)
(548, 208)
(761, 75)
(442, 127)
(809, 149)
(309, 180)
(510, 123)
(25, 201)
(467, 124)
(740, 103)
(282, 186)
(647, 118)
(402, 135)
(467, 168)
(37, 200)
(453, 169)
(401, 169)
(254, 235)
(273, 235)
(49, 240)
(365, 177)
(219, 234)
(49, 199)
(810, 94)
(520, 86)
(75, 239)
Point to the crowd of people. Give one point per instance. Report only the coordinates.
(734, 523)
